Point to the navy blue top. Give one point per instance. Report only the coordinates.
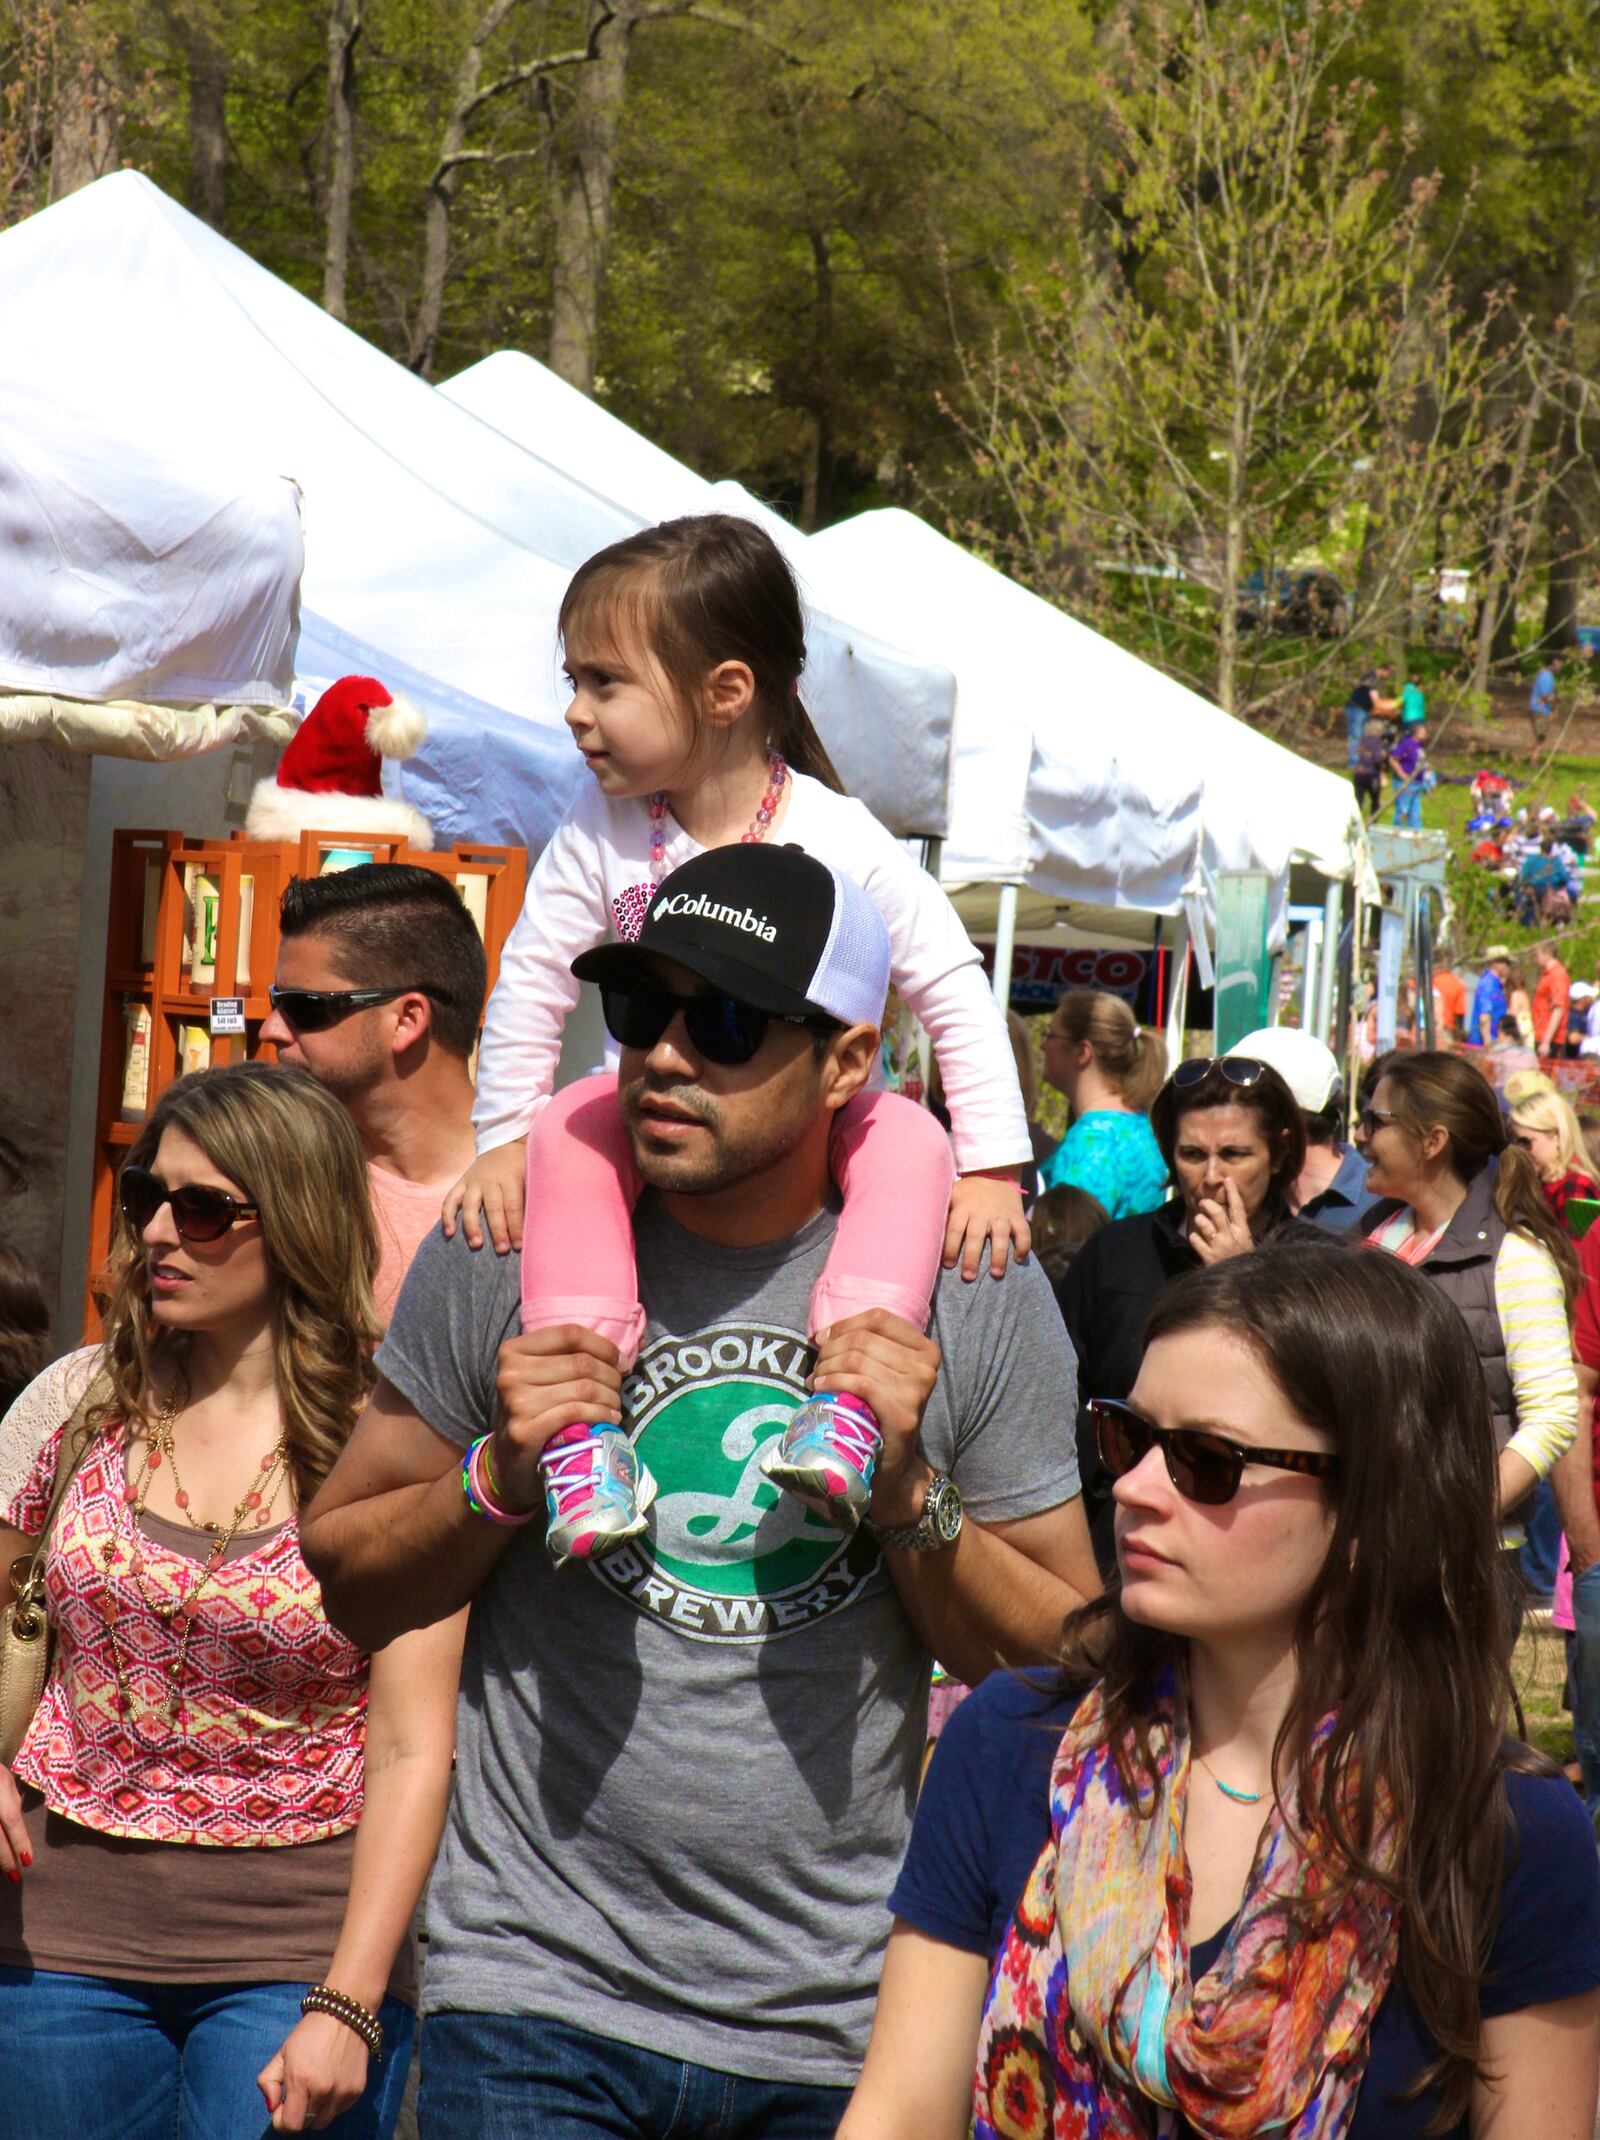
(1341, 1207)
(984, 1817)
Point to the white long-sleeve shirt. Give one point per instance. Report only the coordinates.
(600, 854)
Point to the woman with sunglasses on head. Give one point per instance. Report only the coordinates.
(1464, 1204)
(1279, 1868)
(1233, 1139)
(221, 1817)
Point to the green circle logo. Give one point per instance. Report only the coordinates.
(728, 1555)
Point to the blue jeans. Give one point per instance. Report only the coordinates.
(101, 2058)
(1408, 805)
(1585, 1662)
(1355, 725)
(1541, 1544)
(508, 2077)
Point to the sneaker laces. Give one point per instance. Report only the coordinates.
(852, 1433)
(569, 1471)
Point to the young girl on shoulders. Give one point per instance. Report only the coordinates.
(684, 645)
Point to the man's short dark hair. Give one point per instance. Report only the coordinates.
(393, 925)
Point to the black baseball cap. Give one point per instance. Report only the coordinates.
(771, 926)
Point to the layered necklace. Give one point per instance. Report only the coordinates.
(179, 1614)
(760, 824)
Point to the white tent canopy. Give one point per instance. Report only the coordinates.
(428, 537)
(1081, 771)
(885, 712)
(136, 570)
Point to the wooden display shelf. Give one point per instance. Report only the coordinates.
(154, 918)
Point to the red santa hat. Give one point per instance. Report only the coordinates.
(330, 779)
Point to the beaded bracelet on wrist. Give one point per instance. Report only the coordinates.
(323, 1999)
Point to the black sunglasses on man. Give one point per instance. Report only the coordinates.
(313, 1010)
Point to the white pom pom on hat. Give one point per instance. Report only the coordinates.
(331, 776)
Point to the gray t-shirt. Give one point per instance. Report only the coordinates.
(685, 1772)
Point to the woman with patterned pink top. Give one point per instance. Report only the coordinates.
(221, 1818)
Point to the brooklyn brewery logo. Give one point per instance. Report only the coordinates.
(727, 1557)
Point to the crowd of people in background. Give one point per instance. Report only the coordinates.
(554, 1503)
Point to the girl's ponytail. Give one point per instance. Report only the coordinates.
(794, 734)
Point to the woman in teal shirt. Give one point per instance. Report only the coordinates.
(1110, 1069)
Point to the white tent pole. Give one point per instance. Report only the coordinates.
(1308, 993)
(1327, 979)
(1005, 938)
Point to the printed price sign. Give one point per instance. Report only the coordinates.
(227, 1015)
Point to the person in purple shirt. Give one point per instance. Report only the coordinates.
(1408, 765)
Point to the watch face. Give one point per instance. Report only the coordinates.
(946, 1512)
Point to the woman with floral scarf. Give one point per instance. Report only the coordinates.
(1262, 1860)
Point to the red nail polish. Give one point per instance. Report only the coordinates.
(26, 1858)
(14, 1876)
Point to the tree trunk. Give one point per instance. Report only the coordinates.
(84, 140)
(1232, 569)
(584, 182)
(1564, 547)
(1493, 605)
(442, 192)
(816, 497)
(344, 29)
(208, 131)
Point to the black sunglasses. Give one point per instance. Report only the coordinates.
(200, 1214)
(1204, 1467)
(1371, 1118)
(313, 1010)
(1241, 1070)
(720, 1028)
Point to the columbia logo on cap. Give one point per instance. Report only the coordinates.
(709, 910)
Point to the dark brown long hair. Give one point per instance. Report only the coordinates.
(1433, 1090)
(1405, 1634)
(697, 592)
(294, 1151)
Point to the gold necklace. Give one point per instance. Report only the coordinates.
(182, 1611)
(1239, 1798)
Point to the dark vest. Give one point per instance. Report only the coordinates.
(1462, 1267)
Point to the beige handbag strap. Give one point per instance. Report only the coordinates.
(74, 1446)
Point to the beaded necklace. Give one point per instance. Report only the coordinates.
(766, 811)
(182, 1611)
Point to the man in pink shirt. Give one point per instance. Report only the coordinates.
(379, 994)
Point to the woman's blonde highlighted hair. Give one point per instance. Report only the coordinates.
(1552, 1114)
(294, 1153)
(1132, 1057)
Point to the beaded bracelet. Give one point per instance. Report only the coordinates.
(323, 1999)
(480, 1491)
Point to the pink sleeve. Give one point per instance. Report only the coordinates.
(895, 1170)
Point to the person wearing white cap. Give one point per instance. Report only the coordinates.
(1332, 1188)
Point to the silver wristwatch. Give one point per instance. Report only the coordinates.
(939, 1524)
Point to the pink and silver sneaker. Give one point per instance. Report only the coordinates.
(826, 1456)
(596, 1494)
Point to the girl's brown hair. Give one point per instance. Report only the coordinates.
(1433, 1090)
(1404, 1636)
(1129, 1055)
(697, 592)
(294, 1153)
